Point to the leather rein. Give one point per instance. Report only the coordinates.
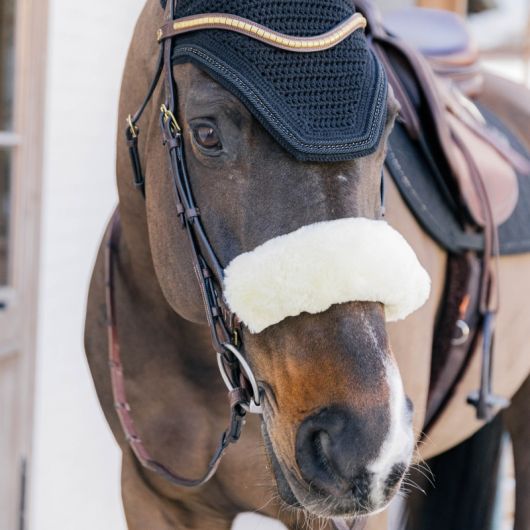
(243, 391)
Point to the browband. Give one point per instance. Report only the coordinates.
(261, 33)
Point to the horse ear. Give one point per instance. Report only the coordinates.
(163, 3)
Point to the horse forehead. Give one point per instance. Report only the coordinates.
(200, 86)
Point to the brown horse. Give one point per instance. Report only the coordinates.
(336, 436)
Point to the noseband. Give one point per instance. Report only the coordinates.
(243, 391)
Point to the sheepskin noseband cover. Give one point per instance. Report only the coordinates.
(322, 264)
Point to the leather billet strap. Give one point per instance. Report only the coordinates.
(253, 30)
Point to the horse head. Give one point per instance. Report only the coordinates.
(313, 273)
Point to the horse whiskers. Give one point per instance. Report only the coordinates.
(425, 437)
(273, 497)
(421, 461)
(413, 484)
(423, 474)
(425, 466)
(422, 439)
(403, 494)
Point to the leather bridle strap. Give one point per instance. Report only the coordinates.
(243, 391)
(132, 131)
(121, 404)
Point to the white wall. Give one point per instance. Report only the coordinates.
(75, 472)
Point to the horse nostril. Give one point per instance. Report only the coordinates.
(322, 449)
(335, 446)
(396, 474)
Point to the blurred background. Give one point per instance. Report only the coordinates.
(60, 68)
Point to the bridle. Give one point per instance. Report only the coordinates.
(243, 390)
(244, 393)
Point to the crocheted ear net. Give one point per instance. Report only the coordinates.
(320, 106)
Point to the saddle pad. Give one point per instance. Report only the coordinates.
(422, 187)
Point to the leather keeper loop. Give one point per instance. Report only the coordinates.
(138, 177)
(238, 396)
(173, 142)
(192, 213)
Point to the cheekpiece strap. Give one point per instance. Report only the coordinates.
(236, 373)
(261, 33)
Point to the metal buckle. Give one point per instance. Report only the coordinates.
(254, 406)
(464, 330)
(167, 115)
(132, 128)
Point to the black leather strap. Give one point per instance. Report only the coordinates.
(208, 271)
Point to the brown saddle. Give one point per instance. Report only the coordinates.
(444, 39)
(433, 52)
(432, 65)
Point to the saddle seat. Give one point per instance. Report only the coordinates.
(434, 32)
(444, 39)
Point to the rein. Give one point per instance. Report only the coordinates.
(121, 404)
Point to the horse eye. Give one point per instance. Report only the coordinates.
(207, 137)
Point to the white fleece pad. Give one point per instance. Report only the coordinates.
(322, 264)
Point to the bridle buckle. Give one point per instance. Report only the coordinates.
(132, 128)
(168, 116)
